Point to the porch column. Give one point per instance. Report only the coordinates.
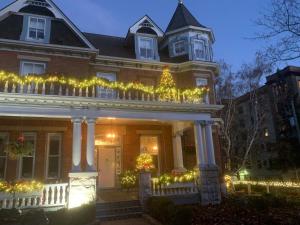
(210, 143)
(90, 149)
(177, 148)
(200, 152)
(76, 154)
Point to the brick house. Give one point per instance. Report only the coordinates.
(95, 132)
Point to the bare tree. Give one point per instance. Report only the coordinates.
(230, 88)
(280, 23)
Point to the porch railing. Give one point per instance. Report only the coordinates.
(52, 195)
(173, 189)
(54, 89)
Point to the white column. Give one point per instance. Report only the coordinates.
(90, 144)
(200, 153)
(76, 154)
(177, 153)
(210, 144)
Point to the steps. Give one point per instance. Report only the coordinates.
(118, 210)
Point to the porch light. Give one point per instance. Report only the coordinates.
(111, 135)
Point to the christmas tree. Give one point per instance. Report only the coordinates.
(166, 80)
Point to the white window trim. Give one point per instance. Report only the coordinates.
(23, 62)
(34, 135)
(159, 150)
(140, 38)
(28, 28)
(49, 135)
(174, 48)
(5, 134)
(201, 78)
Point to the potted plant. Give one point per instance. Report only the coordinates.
(19, 148)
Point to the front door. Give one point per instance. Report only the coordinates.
(106, 167)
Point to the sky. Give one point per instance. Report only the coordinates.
(233, 21)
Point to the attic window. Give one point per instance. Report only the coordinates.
(179, 48)
(36, 28)
(146, 48)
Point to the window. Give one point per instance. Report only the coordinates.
(146, 48)
(3, 155)
(199, 49)
(32, 68)
(36, 29)
(149, 144)
(104, 92)
(201, 82)
(54, 155)
(179, 48)
(26, 169)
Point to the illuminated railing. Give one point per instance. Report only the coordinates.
(99, 88)
(52, 195)
(173, 189)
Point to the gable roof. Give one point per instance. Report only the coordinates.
(19, 4)
(182, 18)
(146, 21)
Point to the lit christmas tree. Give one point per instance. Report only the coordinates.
(166, 80)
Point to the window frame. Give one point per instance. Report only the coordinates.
(5, 134)
(106, 91)
(142, 38)
(158, 150)
(201, 79)
(28, 29)
(23, 62)
(59, 155)
(174, 47)
(34, 135)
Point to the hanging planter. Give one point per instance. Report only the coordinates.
(19, 148)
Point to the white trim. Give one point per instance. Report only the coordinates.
(49, 135)
(6, 135)
(28, 29)
(134, 28)
(34, 135)
(18, 4)
(33, 58)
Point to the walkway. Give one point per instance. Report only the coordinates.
(139, 221)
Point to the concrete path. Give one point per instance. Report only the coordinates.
(139, 221)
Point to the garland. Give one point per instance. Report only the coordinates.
(19, 148)
(167, 179)
(21, 187)
(171, 91)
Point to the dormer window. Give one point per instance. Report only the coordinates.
(36, 29)
(146, 47)
(199, 49)
(179, 48)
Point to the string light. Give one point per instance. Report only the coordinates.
(144, 162)
(21, 187)
(167, 89)
(286, 184)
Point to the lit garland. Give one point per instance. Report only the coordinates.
(166, 179)
(21, 187)
(285, 184)
(144, 162)
(166, 89)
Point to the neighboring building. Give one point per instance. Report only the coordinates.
(64, 123)
(279, 105)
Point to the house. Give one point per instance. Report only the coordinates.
(91, 103)
(276, 144)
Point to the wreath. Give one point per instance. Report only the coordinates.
(19, 148)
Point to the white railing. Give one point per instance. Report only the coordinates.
(55, 89)
(173, 189)
(52, 195)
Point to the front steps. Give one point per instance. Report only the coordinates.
(118, 210)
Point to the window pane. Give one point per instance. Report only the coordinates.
(32, 33)
(27, 167)
(149, 144)
(179, 47)
(33, 22)
(54, 145)
(201, 82)
(40, 34)
(27, 68)
(199, 49)
(41, 24)
(39, 69)
(103, 92)
(53, 168)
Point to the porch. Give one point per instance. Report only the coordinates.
(93, 139)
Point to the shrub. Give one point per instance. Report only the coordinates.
(128, 179)
(34, 217)
(164, 210)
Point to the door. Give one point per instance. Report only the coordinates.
(106, 167)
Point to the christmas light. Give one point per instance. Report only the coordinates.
(21, 187)
(166, 90)
(286, 184)
(144, 162)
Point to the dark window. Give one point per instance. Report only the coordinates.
(3, 156)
